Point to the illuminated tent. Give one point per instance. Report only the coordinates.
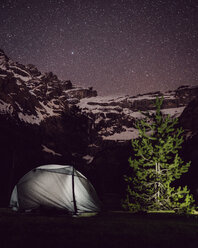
(55, 186)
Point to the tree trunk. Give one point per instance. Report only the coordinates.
(157, 184)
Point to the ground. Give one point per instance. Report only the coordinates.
(111, 229)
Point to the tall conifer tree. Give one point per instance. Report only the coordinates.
(156, 165)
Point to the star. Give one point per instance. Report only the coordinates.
(116, 47)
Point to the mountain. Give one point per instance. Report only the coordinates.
(47, 120)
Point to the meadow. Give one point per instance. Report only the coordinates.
(108, 229)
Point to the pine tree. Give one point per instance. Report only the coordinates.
(156, 164)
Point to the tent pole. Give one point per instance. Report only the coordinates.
(73, 193)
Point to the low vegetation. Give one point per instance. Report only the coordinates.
(114, 229)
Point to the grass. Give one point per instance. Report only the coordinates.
(113, 229)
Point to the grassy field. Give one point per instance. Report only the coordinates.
(113, 229)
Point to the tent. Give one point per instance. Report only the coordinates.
(55, 186)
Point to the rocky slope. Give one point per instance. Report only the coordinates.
(32, 96)
(47, 120)
(119, 114)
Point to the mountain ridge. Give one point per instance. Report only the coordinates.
(47, 120)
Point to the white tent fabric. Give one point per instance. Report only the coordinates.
(55, 186)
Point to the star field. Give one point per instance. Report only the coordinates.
(116, 46)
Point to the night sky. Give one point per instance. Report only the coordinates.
(116, 46)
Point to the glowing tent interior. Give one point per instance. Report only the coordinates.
(55, 186)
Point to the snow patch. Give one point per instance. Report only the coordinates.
(6, 107)
(20, 108)
(25, 79)
(49, 109)
(18, 82)
(86, 103)
(92, 145)
(143, 97)
(98, 120)
(88, 158)
(31, 119)
(173, 112)
(128, 134)
(136, 115)
(48, 150)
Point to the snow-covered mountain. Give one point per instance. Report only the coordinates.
(32, 96)
(47, 120)
(114, 117)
